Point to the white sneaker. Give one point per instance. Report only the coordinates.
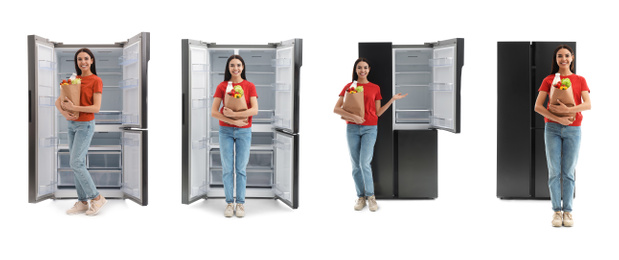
(372, 202)
(240, 210)
(568, 220)
(557, 219)
(229, 210)
(96, 205)
(360, 204)
(78, 208)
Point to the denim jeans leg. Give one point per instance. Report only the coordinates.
(552, 138)
(242, 151)
(368, 139)
(226, 153)
(571, 147)
(80, 135)
(353, 136)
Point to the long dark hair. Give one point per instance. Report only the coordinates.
(555, 66)
(227, 75)
(354, 68)
(92, 57)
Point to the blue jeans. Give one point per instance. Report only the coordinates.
(562, 145)
(234, 144)
(361, 140)
(80, 135)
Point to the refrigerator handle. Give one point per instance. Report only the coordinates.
(183, 110)
(29, 106)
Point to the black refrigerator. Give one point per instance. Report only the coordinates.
(405, 162)
(117, 158)
(273, 168)
(522, 172)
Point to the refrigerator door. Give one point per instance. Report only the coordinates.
(288, 66)
(286, 170)
(447, 61)
(196, 115)
(134, 63)
(43, 136)
(135, 165)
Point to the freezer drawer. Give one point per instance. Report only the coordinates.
(101, 178)
(257, 138)
(256, 178)
(94, 159)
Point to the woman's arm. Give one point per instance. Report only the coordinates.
(380, 110)
(562, 108)
(94, 108)
(67, 115)
(340, 111)
(540, 109)
(247, 113)
(218, 115)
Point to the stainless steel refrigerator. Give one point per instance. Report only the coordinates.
(118, 155)
(405, 158)
(273, 169)
(522, 172)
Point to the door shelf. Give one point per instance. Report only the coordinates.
(199, 103)
(47, 65)
(128, 83)
(283, 87)
(442, 122)
(256, 178)
(47, 101)
(48, 142)
(441, 62)
(200, 144)
(199, 67)
(101, 178)
(130, 119)
(128, 59)
(282, 62)
(442, 86)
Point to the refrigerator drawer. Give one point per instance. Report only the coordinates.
(263, 117)
(101, 178)
(104, 159)
(257, 159)
(412, 116)
(108, 117)
(257, 138)
(256, 178)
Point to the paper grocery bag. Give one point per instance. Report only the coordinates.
(566, 97)
(353, 103)
(236, 104)
(73, 92)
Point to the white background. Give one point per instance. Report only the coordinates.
(466, 220)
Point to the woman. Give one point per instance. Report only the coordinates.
(562, 134)
(361, 132)
(81, 130)
(235, 134)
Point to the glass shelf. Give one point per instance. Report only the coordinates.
(128, 83)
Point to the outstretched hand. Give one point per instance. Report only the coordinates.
(399, 96)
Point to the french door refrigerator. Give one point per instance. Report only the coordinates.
(273, 169)
(405, 162)
(522, 172)
(117, 157)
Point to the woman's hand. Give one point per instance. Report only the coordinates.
(399, 96)
(357, 119)
(69, 115)
(228, 112)
(559, 109)
(67, 104)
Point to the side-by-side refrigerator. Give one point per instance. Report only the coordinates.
(522, 172)
(273, 168)
(405, 162)
(118, 155)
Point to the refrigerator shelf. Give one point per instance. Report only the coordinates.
(130, 119)
(258, 159)
(101, 178)
(256, 178)
(108, 117)
(413, 116)
(412, 72)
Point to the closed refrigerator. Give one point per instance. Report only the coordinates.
(405, 162)
(273, 168)
(118, 155)
(522, 171)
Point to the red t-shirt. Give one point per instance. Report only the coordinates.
(579, 84)
(90, 84)
(249, 90)
(371, 93)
